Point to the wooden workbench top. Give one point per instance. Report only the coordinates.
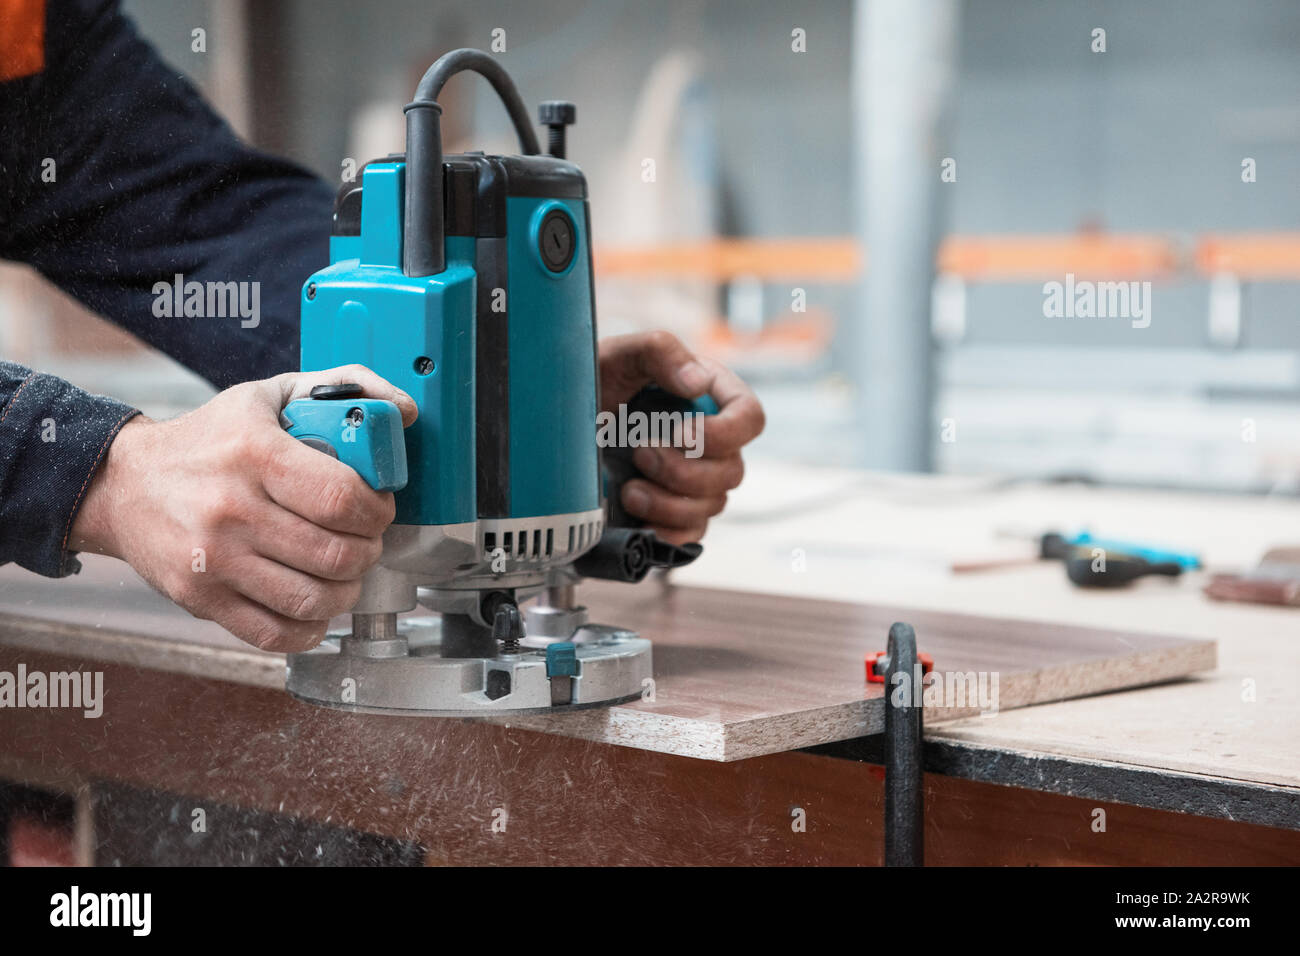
(737, 674)
(858, 540)
(824, 533)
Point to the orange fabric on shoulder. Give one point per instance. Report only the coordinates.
(22, 38)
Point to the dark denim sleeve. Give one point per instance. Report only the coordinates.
(52, 438)
(115, 178)
(150, 184)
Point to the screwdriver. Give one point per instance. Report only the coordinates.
(1114, 570)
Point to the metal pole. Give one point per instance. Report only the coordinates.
(903, 67)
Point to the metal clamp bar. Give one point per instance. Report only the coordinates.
(904, 775)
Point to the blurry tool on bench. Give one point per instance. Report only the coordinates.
(1094, 562)
(1114, 569)
(1055, 546)
(1276, 580)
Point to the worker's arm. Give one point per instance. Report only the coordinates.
(116, 177)
(52, 438)
(680, 494)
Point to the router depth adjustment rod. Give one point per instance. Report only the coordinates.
(555, 115)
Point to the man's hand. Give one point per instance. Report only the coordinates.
(236, 521)
(682, 493)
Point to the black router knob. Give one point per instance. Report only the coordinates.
(343, 390)
(555, 115)
(508, 627)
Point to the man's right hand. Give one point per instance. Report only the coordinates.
(236, 521)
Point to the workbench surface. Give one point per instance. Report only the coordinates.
(736, 674)
(1225, 743)
(1201, 745)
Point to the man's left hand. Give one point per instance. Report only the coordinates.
(680, 494)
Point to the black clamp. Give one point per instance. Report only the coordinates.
(904, 774)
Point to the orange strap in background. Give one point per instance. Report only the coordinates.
(1260, 255)
(833, 259)
(1021, 258)
(22, 38)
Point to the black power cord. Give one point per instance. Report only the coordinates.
(423, 232)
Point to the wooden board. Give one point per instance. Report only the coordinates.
(891, 538)
(741, 675)
(736, 675)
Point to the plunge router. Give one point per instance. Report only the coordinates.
(466, 281)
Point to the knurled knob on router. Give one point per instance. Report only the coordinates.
(555, 115)
(553, 112)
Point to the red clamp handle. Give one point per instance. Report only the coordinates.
(878, 677)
